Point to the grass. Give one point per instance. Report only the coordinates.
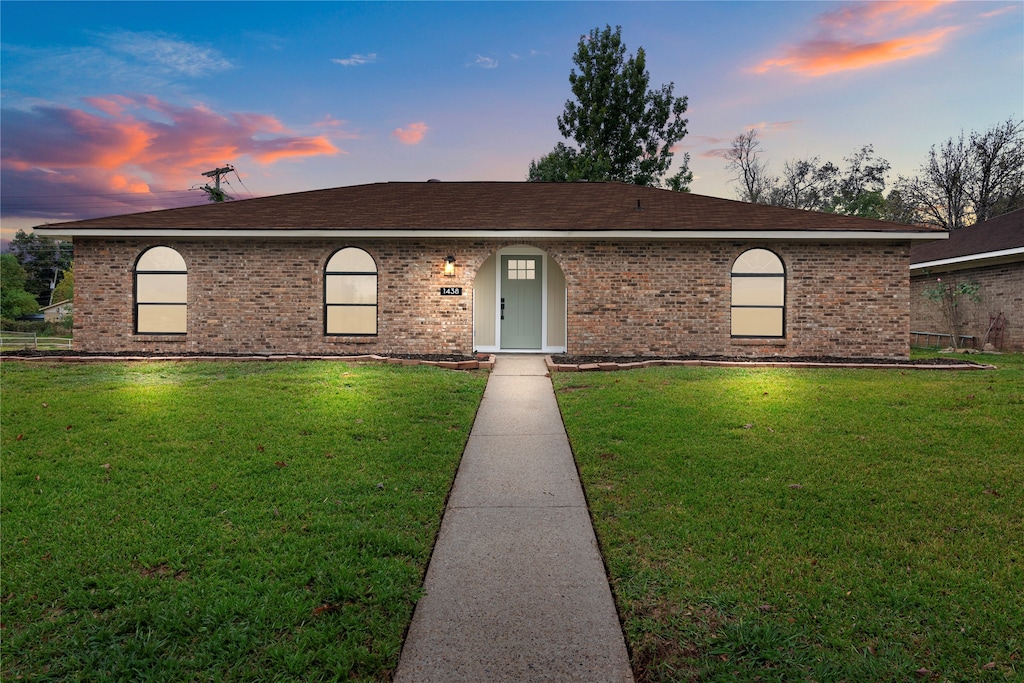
(811, 525)
(220, 521)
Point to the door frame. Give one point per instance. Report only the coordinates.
(548, 262)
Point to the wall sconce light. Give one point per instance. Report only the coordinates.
(449, 266)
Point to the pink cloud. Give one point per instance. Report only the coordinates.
(863, 35)
(411, 134)
(139, 143)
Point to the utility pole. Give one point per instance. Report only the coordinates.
(216, 194)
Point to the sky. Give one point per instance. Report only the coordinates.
(116, 107)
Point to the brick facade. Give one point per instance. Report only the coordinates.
(1002, 291)
(849, 298)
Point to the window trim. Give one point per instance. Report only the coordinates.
(376, 294)
(135, 292)
(732, 294)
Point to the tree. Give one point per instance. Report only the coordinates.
(809, 183)
(558, 166)
(997, 183)
(949, 296)
(970, 180)
(623, 130)
(14, 300)
(744, 157)
(859, 191)
(939, 191)
(42, 259)
(65, 289)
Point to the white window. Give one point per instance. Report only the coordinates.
(522, 269)
(758, 295)
(161, 292)
(350, 293)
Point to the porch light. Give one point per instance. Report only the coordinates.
(449, 266)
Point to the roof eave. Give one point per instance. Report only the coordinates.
(972, 260)
(57, 231)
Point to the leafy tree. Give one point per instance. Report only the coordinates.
(623, 130)
(14, 300)
(43, 259)
(65, 289)
(558, 166)
(858, 191)
(810, 184)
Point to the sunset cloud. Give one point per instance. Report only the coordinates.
(134, 144)
(863, 35)
(411, 134)
(357, 60)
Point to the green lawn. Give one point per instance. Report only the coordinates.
(810, 525)
(220, 521)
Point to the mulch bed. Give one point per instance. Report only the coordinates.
(582, 360)
(563, 363)
(450, 361)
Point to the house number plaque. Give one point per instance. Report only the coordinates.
(451, 291)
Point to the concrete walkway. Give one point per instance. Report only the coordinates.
(516, 589)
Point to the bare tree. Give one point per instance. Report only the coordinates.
(969, 180)
(939, 191)
(805, 184)
(744, 157)
(997, 185)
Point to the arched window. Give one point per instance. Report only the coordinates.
(161, 292)
(758, 295)
(350, 293)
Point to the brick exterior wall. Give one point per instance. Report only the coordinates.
(624, 298)
(1002, 291)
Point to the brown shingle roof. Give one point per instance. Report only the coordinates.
(996, 234)
(489, 206)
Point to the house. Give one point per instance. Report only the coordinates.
(989, 254)
(56, 312)
(605, 269)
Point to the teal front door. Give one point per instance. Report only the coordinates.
(522, 292)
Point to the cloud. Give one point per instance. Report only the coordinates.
(485, 62)
(135, 145)
(168, 52)
(357, 60)
(863, 35)
(411, 134)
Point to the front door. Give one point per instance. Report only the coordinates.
(522, 291)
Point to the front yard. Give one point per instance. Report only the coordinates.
(220, 521)
(812, 525)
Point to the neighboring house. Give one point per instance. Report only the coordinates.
(989, 254)
(456, 268)
(56, 312)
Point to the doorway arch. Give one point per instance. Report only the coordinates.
(519, 302)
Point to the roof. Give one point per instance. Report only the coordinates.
(997, 238)
(484, 207)
(66, 302)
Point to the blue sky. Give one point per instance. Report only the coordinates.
(117, 107)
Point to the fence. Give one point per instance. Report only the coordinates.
(31, 340)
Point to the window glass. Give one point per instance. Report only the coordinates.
(157, 319)
(162, 288)
(351, 260)
(350, 293)
(352, 289)
(351, 320)
(161, 292)
(161, 258)
(758, 295)
(758, 291)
